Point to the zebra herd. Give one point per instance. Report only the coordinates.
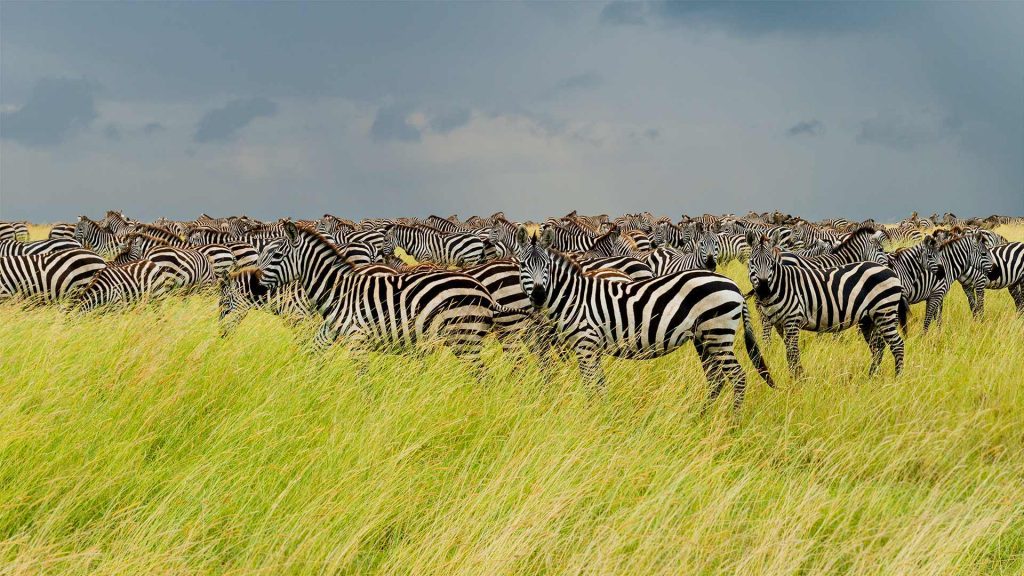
(636, 286)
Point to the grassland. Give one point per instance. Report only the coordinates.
(142, 443)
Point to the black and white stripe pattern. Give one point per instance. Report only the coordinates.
(1008, 271)
(391, 312)
(794, 298)
(125, 285)
(191, 267)
(642, 319)
(427, 244)
(243, 290)
(16, 248)
(62, 231)
(50, 276)
(922, 277)
(95, 237)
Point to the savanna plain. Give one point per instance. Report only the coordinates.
(141, 442)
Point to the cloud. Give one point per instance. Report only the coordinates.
(56, 109)
(153, 128)
(621, 13)
(111, 132)
(585, 81)
(392, 122)
(806, 128)
(447, 122)
(222, 124)
(906, 131)
(755, 18)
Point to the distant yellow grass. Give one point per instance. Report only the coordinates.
(142, 443)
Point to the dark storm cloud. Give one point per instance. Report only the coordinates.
(585, 81)
(806, 128)
(756, 18)
(152, 128)
(622, 12)
(56, 108)
(392, 123)
(112, 132)
(450, 121)
(902, 132)
(222, 124)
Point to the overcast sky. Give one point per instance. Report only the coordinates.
(289, 109)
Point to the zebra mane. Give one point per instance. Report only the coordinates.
(88, 220)
(155, 231)
(855, 235)
(144, 236)
(319, 238)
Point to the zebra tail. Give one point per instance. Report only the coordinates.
(901, 313)
(750, 339)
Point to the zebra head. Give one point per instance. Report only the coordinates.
(929, 257)
(535, 263)
(764, 262)
(981, 254)
(275, 262)
(706, 246)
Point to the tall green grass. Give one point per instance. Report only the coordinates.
(141, 442)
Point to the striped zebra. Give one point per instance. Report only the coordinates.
(242, 291)
(1008, 272)
(670, 260)
(49, 276)
(222, 259)
(570, 236)
(794, 298)
(427, 244)
(634, 268)
(897, 235)
(16, 248)
(334, 225)
(191, 267)
(669, 234)
(732, 247)
(8, 231)
(62, 231)
(125, 285)
(245, 254)
(639, 320)
(388, 312)
(863, 245)
(967, 259)
(612, 243)
(922, 277)
(117, 223)
(95, 237)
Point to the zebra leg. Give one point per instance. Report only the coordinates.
(933, 311)
(589, 359)
(712, 373)
(324, 337)
(791, 335)
(979, 295)
(1017, 291)
(766, 326)
(890, 332)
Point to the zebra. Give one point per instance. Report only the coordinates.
(335, 226)
(669, 260)
(502, 234)
(902, 235)
(124, 285)
(795, 298)
(16, 248)
(242, 290)
(117, 223)
(1008, 271)
(634, 268)
(446, 224)
(94, 237)
(922, 276)
(49, 276)
(190, 266)
(967, 259)
(612, 243)
(222, 258)
(390, 312)
(864, 245)
(245, 254)
(570, 237)
(669, 234)
(62, 231)
(427, 244)
(640, 319)
(732, 247)
(8, 231)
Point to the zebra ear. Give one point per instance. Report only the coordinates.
(752, 237)
(291, 230)
(522, 235)
(547, 238)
